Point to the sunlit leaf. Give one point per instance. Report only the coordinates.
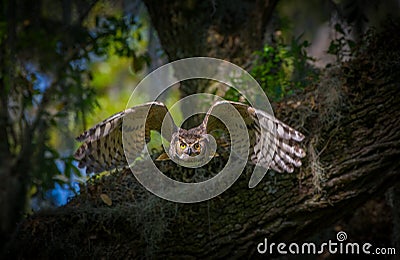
(106, 199)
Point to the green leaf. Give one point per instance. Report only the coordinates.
(339, 28)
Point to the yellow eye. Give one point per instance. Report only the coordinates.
(196, 146)
(183, 146)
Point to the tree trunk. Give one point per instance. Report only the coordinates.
(12, 179)
(232, 32)
(211, 28)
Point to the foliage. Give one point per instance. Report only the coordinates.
(120, 36)
(342, 46)
(376, 59)
(281, 69)
(46, 81)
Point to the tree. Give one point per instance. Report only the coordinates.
(210, 28)
(45, 88)
(31, 102)
(351, 121)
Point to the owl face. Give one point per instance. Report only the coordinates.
(188, 146)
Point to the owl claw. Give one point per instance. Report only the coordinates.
(163, 157)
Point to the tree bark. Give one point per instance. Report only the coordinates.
(232, 32)
(211, 28)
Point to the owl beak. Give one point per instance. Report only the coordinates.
(191, 152)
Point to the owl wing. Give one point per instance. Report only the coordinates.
(273, 144)
(102, 147)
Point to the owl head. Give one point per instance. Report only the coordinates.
(188, 144)
(191, 147)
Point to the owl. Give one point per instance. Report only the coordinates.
(103, 149)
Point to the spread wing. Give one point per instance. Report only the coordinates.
(103, 148)
(273, 144)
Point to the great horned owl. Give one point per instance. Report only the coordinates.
(103, 149)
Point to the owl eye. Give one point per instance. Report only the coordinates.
(182, 145)
(196, 146)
